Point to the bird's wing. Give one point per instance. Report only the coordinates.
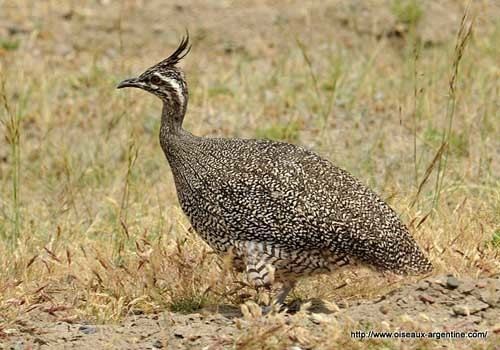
(289, 196)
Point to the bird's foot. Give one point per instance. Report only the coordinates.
(274, 308)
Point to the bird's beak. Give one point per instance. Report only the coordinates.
(133, 82)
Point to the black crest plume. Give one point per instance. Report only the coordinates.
(179, 53)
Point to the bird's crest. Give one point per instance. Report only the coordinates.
(178, 54)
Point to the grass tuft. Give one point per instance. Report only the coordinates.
(463, 36)
(285, 132)
(9, 44)
(408, 12)
(12, 126)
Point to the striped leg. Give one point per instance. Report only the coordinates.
(283, 293)
(261, 262)
(260, 271)
(279, 300)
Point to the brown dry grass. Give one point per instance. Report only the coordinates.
(89, 221)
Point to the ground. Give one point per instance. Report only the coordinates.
(94, 249)
(443, 305)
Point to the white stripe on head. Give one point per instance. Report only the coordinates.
(175, 85)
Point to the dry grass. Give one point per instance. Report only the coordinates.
(89, 221)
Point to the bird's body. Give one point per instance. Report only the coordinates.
(288, 198)
(282, 210)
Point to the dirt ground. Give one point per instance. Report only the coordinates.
(435, 304)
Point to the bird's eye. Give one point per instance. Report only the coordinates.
(155, 80)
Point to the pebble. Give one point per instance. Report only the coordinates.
(466, 287)
(472, 306)
(158, 344)
(461, 310)
(137, 312)
(343, 304)
(438, 282)
(490, 314)
(422, 285)
(477, 305)
(87, 329)
(452, 282)
(401, 302)
(19, 345)
(384, 309)
(427, 299)
(489, 298)
(481, 284)
(496, 328)
(40, 341)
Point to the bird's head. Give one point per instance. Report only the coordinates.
(165, 79)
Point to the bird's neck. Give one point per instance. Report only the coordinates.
(172, 135)
(172, 117)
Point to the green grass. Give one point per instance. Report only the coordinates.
(188, 305)
(495, 239)
(407, 11)
(12, 125)
(9, 44)
(279, 131)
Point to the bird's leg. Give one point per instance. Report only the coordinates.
(260, 272)
(279, 300)
(283, 293)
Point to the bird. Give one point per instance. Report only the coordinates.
(280, 210)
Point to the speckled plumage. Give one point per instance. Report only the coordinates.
(281, 209)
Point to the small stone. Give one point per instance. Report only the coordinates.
(477, 306)
(496, 328)
(440, 281)
(427, 299)
(481, 284)
(452, 282)
(378, 96)
(194, 337)
(490, 314)
(315, 320)
(461, 310)
(466, 287)
(422, 285)
(40, 341)
(384, 309)
(489, 298)
(19, 345)
(9, 331)
(87, 329)
(475, 319)
(158, 344)
(401, 302)
(343, 304)
(178, 335)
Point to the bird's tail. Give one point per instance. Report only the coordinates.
(410, 261)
